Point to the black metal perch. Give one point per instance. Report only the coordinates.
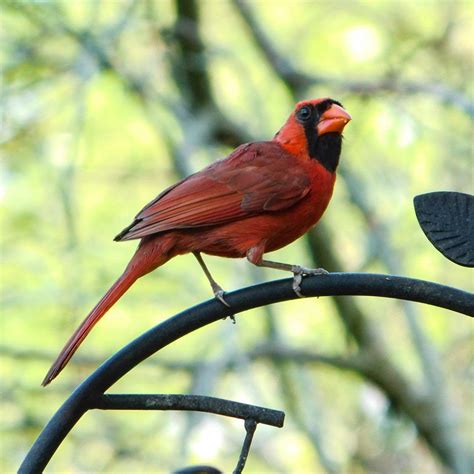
(250, 413)
(214, 405)
(89, 394)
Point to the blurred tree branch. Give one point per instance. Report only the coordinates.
(297, 80)
(190, 71)
(271, 351)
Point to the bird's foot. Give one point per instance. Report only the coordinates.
(219, 295)
(299, 272)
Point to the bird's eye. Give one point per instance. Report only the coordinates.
(304, 114)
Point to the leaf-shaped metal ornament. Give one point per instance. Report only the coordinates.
(447, 219)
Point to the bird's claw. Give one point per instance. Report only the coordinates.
(297, 279)
(300, 272)
(219, 295)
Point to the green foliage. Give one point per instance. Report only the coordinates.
(94, 123)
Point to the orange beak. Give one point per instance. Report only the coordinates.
(333, 120)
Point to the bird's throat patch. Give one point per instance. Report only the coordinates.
(327, 150)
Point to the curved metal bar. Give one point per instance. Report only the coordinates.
(210, 311)
(218, 406)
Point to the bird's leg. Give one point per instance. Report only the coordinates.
(298, 271)
(216, 288)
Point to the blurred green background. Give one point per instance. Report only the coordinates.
(106, 103)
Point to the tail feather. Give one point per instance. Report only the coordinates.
(107, 301)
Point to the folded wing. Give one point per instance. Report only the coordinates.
(256, 178)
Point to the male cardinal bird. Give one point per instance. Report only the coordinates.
(260, 198)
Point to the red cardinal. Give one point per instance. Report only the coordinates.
(260, 198)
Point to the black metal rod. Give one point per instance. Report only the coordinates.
(210, 311)
(202, 403)
(250, 427)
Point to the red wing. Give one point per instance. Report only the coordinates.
(256, 178)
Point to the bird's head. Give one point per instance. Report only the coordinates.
(314, 129)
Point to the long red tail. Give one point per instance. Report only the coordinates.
(107, 301)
